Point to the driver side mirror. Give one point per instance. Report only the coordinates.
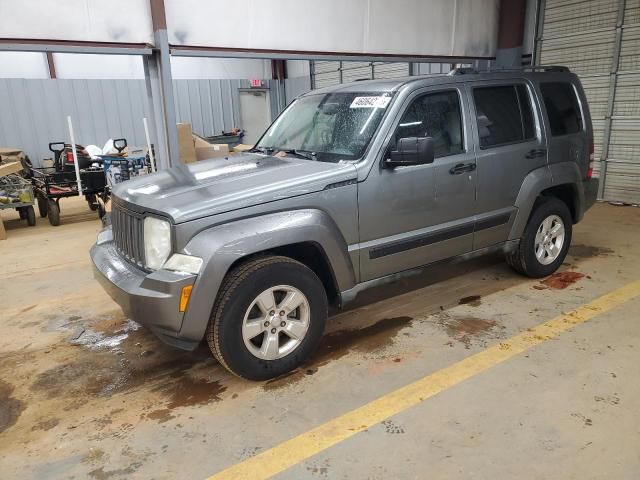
(411, 151)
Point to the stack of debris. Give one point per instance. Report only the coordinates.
(194, 148)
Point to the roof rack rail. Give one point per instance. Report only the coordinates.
(526, 68)
(463, 71)
(546, 68)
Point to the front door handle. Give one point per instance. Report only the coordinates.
(536, 152)
(462, 168)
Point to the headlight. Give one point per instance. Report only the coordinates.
(157, 242)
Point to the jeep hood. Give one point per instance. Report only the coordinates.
(188, 192)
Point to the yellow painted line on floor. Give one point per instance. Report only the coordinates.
(294, 451)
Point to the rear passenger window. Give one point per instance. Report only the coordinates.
(562, 107)
(504, 115)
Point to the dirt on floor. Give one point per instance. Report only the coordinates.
(74, 370)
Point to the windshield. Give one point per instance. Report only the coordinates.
(331, 126)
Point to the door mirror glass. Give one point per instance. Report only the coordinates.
(411, 151)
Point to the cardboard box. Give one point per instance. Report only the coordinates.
(185, 143)
(241, 147)
(213, 150)
(9, 168)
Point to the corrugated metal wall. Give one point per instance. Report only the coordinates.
(600, 41)
(33, 112)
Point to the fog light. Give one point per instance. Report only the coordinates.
(184, 297)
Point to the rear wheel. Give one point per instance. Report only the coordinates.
(53, 210)
(546, 239)
(268, 318)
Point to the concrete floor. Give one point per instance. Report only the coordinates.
(86, 394)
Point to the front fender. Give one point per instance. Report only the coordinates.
(222, 245)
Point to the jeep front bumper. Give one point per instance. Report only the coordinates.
(151, 299)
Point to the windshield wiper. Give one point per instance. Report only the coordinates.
(309, 155)
(265, 150)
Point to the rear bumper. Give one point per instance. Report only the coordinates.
(151, 299)
(590, 192)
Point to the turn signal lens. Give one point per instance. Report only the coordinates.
(184, 297)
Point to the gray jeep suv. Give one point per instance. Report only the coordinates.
(348, 187)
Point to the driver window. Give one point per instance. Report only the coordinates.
(435, 115)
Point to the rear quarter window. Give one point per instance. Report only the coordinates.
(563, 110)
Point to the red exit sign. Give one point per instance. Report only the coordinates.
(255, 82)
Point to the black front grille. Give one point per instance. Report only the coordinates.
(128, 234)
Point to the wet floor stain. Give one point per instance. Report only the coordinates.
(46, 424)
(372, 339)
(102, 474)
(465, 329)
(121, 358)
(10, 408)
(561, 280)
(471, 300)
(186, 391)
(587, 251)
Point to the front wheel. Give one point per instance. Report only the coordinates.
(546, 239)
(42, 206)
(53, 211)
(31, 216)
(268, 318)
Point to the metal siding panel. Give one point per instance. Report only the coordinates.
(627, 101)
(216, 106)
(352, 71)
(207, 113)
(585, 54)
(390, 69)
(632, 12)
(195, 102)
(111, 111)
(630, 50)
(575, 17)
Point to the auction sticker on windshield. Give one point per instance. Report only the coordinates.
(370, 102)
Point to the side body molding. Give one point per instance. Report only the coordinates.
(222, 245)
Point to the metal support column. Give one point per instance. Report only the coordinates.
(159, 86)
(613, 82)
(538, 31)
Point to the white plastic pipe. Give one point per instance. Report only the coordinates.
(75, 155)
(146, 134)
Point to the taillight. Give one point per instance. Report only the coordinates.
(69, 157)
(591, 160)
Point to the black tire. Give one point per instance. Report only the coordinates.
(22, 212)
(53, 210)
(31, 216)
(239, 289)
(92, 201)
(101, 210)
(42, 206)
(523, 259)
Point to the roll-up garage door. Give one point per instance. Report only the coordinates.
(600, 41)
(325, 74)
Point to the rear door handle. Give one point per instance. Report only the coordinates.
(462, 168)
(536, 152)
